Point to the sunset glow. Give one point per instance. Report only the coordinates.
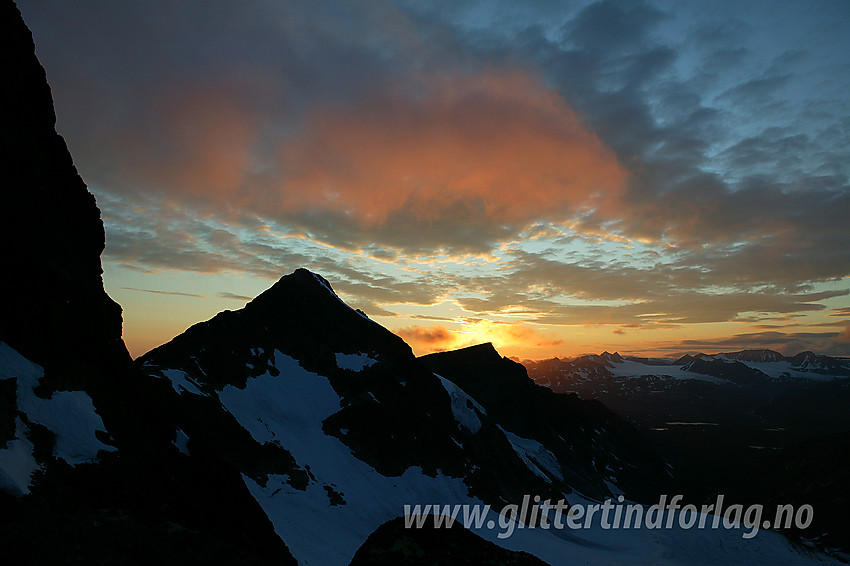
(653, 178)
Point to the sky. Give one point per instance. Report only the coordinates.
(557, 178)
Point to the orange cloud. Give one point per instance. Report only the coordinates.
(195, 142)
(498, 145)
(434, 337)
(450, 162)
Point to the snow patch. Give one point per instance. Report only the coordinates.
(461, 409)
(69, 415)
(181, 381)
(631, 368)
(354, 362)
(786, 369)
(17, 462)
(535, 456)
(332, 292)
(181, 442)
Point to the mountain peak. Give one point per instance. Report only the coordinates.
(303, 277)
(304, 287)
(477, 354)
(759, 355)
(479, 368)
(608, 357)
(304, 274)
(295, 314)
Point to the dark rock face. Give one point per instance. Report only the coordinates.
(736, 372)
(589, 440)
(8, 410)
(52, 300)
(392, 544)
(54, 312)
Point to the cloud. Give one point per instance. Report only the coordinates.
(324, 125)
(170, 293)
(430, 337)
(397, 124)
(174, 239)
(612, 163)
(708, 171)
(490, 147)
(756, 91)
(235, 297)
(459, 161)
(581, 291)
(831, 343)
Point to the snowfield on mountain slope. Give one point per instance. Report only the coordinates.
(778, 369)
(463, 406)
(70, 415)
(535, 456)
(631, 368)
(289, 409)
(775, 369)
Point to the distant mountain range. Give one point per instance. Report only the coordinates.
(737, 367)
(292, 431)
(729, 422)
(759, 386)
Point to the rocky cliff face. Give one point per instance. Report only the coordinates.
(83, 465)
(52, 301)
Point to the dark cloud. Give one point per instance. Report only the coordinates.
(234, 296)
(431, 335)
(758, 91)
(612, 29)
(839, 323)
(786, 343)
(171, 293)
